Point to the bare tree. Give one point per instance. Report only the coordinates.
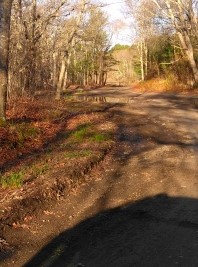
(180, 16)
(54, 43)
(5, 14)
(66, 54)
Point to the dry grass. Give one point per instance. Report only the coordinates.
(161, 85)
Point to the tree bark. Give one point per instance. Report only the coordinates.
(69, 47)
(146, 58)
(61, 78)
(54, 75)
(5, 13)
(184, 36)
(142, 61)
(33, 49)
(188, 48)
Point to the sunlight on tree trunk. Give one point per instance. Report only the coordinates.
(61, 77)
(5, 13)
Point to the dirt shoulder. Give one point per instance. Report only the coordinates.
(33, 178)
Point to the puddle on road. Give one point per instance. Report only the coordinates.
(105, 99)
(132, 138)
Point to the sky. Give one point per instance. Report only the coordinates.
(120, 24)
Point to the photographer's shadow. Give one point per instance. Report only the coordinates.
(160, 231)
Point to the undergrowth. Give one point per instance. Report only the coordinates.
(78, 154)
(31, 125)
(168, 84)
(15, 179)
(39, 170)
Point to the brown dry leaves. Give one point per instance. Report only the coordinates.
(31, 125)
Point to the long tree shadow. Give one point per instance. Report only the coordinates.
(156, 231)
(176, 100)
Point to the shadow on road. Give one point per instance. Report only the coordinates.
(156, 141)
(156, 231)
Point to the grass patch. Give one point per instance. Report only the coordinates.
(78, 154)
(13, 180)
(99, 137)
(82, 132)
(86, 131)
(21, 133)
(36, 171)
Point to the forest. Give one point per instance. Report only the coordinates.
(164, 48)
(98, 133)
(51, 44)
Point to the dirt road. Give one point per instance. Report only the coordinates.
(139, 207)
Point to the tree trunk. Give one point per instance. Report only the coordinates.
(142, 61)
(54, 75)
(66, 71)
(186, 43)
(65, 79)
(146, 58)
(101, 66)
(33, 49)
(184, 36)
(105, 78)
(5, 13)
(61, 78)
